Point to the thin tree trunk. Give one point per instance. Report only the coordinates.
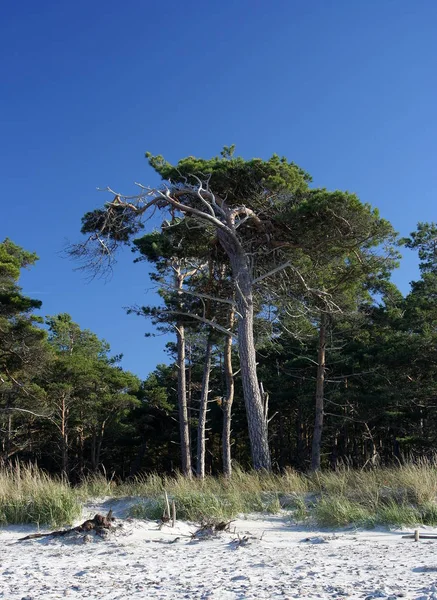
(81, 445)
(182, 401)
(257, 423)
(65, 457)
(189, 372)
(374, 452)
(98, 451)
(64, 435)
(320, 394)
(97, 447)
(228, 400)
(300, 437)
(184, 423)
(203, 408)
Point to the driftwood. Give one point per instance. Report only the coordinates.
(210, 529)
(173, 513)
(241, 541)
(98, 524)
(423, 536)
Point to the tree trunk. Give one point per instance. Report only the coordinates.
(203, 408)
(189, 376)
(184, 422)
(227, 401)
(374, 452)
(182, 401)
(64, 436)
(99, 443)
(96, 446)
(320, 393)
(81, 445)
(257, 423)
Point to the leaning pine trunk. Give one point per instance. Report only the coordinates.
(320, 393)
(182, 402)
(203, 408)
(227, 401)
(257, 423)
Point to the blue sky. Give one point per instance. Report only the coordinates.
(347, 89)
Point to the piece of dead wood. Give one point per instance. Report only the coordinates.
(210, 529)
(241, 541)
(166, 515)
(97, 524)
(173, 513)
(423, 536)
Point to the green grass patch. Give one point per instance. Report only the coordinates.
(338, 511)
(398, 515)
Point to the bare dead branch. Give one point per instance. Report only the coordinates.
(25, 410)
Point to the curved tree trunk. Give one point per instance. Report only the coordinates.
(203, 409)
(257, 423)
(320, 394)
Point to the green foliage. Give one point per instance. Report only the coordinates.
(116, 223)
(339, 253)
(240, 181)
(13, 258)
(424, 239)
(23, 350)
(86, 390)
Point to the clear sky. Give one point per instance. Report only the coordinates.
(345, 88)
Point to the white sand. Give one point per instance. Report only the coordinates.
(139, 562)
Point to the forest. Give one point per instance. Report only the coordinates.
(291, 345)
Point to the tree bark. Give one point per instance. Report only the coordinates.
(182, 402)
(64, 435)
(203, 409)
(257, 423)
(320, 394)
(228, 401)
(184, 422)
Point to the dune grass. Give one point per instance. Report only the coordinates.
(28, 495)
(405, 495)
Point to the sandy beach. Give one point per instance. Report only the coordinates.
(260, 557)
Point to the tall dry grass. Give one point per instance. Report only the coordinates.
(390, 496)
(29, 495)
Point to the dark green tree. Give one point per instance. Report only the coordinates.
(23, 351)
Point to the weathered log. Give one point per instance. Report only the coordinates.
(422, 536)
(98, 523)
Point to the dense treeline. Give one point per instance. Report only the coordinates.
(292, 346)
